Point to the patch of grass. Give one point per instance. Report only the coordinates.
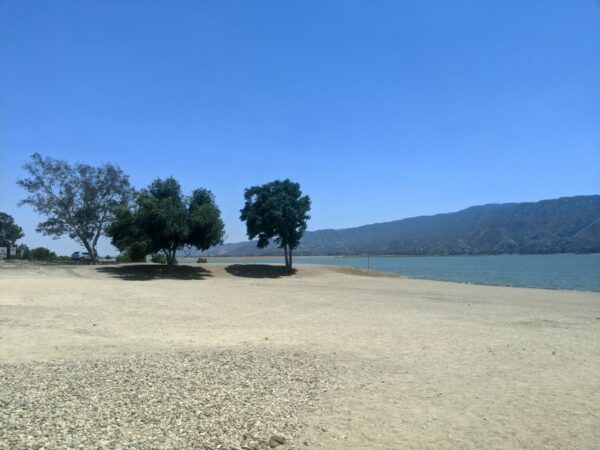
(158, 258)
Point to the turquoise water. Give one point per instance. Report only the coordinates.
(562, 271)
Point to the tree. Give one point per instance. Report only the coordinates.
(162, 219)
(10, 232)
(42, 254)
(278, 211)
(77, 200)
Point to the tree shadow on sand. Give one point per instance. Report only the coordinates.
(147, 272)
(259, 271)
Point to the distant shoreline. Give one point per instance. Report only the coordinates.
(562, 271)
(387, 255)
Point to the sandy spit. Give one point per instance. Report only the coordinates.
(379, 362)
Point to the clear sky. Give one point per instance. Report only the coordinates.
(380, 109)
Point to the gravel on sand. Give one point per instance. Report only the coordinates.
(232, 399)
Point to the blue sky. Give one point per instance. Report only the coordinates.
(381, 110)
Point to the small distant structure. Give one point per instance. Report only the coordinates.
(4, 252)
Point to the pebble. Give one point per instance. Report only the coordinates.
(276, 441)
(246, 398)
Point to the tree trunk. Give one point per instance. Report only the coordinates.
(90, 251)
(290, 257)
(171, 257)
(94, 254)
(285, 251)
(8, 251)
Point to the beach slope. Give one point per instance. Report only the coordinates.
(326, 358)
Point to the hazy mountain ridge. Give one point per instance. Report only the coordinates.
(568, 224)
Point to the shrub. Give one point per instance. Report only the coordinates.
(62, 259)
(123, 258)
(42, 254)
(158, 258)
(137, 252)
(201, 260)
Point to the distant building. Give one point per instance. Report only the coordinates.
(4, 251)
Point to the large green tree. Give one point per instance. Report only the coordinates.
(162, 219)
(10, 232)
(278, 211)
(77, 200)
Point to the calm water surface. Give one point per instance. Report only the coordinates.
(564, 271)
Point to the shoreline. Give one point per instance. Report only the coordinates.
(377, 255)
(353, 270)
(494, 273)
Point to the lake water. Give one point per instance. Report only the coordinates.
(561, 271)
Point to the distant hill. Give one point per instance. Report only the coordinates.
(568, 224)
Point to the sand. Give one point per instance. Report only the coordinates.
(419, 364)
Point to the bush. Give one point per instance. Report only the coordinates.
(123, 258)
(42, 254)
(158, 258)
(137, 252)
(62, 259)
(201, 260)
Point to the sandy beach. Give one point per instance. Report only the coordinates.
(365, 361)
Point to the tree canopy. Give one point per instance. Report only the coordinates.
(163, 219)
(278, 211)
(10, 232)
(78, 200)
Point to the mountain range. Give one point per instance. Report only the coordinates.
(567, 224)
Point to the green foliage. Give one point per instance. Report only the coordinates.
(137, 252)
(158, 258)
(201, 260)
(278, 211)
(63, 259)
(162, 219)
(42, 254)
(46, 255)
(77, 200)
(123, 258)
(10, 232)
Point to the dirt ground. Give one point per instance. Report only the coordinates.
(422, 364)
